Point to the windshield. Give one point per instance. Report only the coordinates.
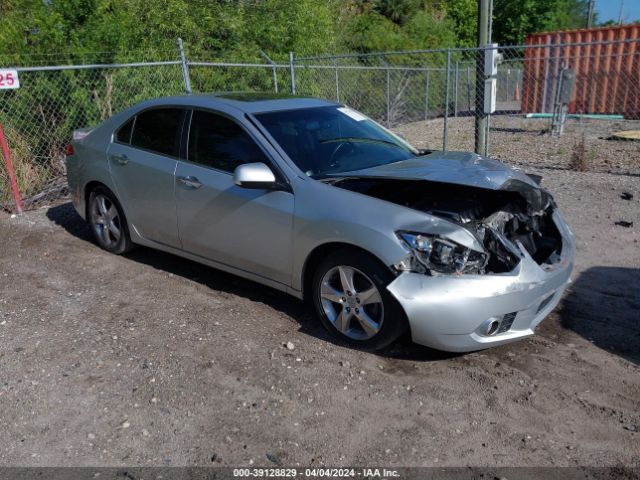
(329, 140)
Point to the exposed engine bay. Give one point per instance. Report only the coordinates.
(517, 213)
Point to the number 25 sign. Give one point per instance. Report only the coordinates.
(9, 79)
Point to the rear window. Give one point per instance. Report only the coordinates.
(158, 130)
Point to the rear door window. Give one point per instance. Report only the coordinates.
(123, 135)
(219, 142)
(158, 130)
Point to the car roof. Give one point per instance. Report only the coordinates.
(248, 102)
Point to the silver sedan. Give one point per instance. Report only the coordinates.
(315, 199)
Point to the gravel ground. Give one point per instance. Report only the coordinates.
(521, 141)
(149, 359)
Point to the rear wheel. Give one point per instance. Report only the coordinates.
(353, 303)
(107, 220)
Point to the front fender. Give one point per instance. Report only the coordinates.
(326, 214)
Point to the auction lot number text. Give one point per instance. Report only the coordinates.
(315, 472)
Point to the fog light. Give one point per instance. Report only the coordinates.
(492, 327)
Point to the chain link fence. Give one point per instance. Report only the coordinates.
(40, 116)
(428, 96)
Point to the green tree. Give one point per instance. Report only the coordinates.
(280, 26)
(369, 30)
(464, 15)
(513, 20)
(398, 11)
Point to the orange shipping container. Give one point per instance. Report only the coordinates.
(606, 62)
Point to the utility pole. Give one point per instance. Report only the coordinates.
(590, 14)
(484, 38)
(621, 17)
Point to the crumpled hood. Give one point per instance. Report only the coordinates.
(463, 168)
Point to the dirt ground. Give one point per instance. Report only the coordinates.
(526, 142)
(149, 359)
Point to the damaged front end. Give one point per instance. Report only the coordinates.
(505, 221)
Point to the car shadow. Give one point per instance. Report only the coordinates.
(603, 306)
(66, 217)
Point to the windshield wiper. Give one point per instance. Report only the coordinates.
(328, 179)
(361, 140)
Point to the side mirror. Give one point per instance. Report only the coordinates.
(254, 175)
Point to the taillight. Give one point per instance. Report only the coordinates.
(69, 150)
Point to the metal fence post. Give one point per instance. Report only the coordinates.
(275, 74)
(337, 83)
(455, 90)
(275, 80)
(469, 89)
(506, 88)
(293, 73)
(426, 98)
(185, 67)
(446, 102)
(388, 98)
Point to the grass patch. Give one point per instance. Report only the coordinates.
(31, 175)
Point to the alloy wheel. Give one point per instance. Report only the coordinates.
(105, 220)
(351, 302)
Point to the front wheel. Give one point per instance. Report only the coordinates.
(353, 303)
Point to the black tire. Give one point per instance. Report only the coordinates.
(366, 268)
(105, 236)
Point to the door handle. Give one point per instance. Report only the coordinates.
(122, 159)
(190, 182)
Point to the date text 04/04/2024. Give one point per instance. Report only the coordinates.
(315, 473)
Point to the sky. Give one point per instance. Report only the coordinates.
(610, 10)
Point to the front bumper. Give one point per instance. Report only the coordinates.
(451, 313)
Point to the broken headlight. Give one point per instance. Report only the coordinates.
(431, 253)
